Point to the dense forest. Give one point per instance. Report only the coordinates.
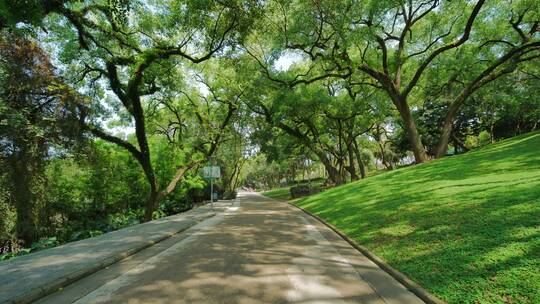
(110, 108)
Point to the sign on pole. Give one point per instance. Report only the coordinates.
(211, 172)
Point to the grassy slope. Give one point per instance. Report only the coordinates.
(467, 228)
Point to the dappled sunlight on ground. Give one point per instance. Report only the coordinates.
(264, 252)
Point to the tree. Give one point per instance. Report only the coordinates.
(507, 52)
(316, 116)
(132, 55)
(391, 46)
(38, 118)
(196, 123)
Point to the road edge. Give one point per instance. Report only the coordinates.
(412, 286)
(54, 286)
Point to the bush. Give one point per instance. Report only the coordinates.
(301, 190)
(471, 142)
(229, 195)
(7, 221)
(7, 214)
(121, 220)
(15, 250)
(484, 138)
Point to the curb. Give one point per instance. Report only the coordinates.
(418, 290)
(52, 287)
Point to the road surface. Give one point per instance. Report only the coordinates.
(255, 250)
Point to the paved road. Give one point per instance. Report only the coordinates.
(253, 251)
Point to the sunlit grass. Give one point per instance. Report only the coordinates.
(467, 228)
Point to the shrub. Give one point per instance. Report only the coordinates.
(471, 142)
(484, 138)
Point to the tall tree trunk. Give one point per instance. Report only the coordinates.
(341, 155)
(154, 197)
(151, 204)
(361, 165)
(237, 176)
(27, 169)
(351, 168)
(333, 173)
(442, 146)
(415, 140)
(230, 181)
(157, 195)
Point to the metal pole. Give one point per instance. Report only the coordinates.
(212, 193)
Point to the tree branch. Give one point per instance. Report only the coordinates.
(442, 49)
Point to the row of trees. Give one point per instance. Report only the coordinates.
(347, 86)
(125, 65)
(409, 51)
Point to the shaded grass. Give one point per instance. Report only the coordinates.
(279, 193)
(285, 193)
(467, 228)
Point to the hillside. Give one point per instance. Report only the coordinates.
(467, 228)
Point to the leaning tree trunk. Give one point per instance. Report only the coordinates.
(446, 130)
(157, 195)
(413, 135)
(341, 154)
(385, 162)
(333, 172)
(442, 147)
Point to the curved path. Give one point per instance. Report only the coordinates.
(254, 250)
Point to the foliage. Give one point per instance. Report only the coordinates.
(91, 193)
(41, 244)
(401, 49)
(484, 138)
(26, 11)
(38, 118)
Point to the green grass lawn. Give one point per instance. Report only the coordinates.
(279, 193)
(467, 228)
